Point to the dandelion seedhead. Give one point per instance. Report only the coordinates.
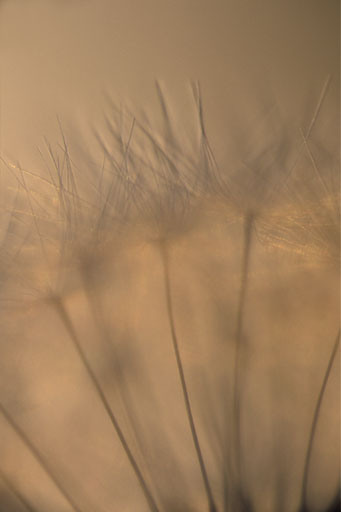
(168, 319)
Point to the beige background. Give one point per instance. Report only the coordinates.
(58, 56)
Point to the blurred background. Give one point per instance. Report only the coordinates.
(59, 57)
(262, 67)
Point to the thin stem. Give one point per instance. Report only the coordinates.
(335, 505)
(39, 458)
(169, 304)
(237, 384)
(97, 314)
(316, 415)
(19, 496)
(77, 345)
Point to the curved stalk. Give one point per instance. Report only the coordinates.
(77, 345)
(237, 382)
(169, 304)
(314, 422)
(15, 491)
(39, 458)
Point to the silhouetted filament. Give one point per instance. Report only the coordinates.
(165, 262)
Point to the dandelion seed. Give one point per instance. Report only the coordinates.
(64, 235)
